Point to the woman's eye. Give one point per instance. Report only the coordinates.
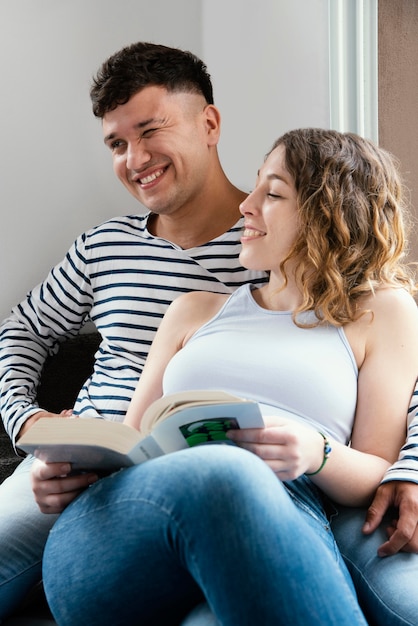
(274, 195)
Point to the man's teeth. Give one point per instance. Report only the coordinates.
(151, 177)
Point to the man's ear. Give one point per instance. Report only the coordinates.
(213, 124)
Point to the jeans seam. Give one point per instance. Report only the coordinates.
(24, 571)
(377, 597)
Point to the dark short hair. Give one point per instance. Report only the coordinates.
(143, 64)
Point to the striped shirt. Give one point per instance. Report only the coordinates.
(406, 467)
(122, 278)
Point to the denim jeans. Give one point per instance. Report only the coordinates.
(387, 587)
(149, 543)
(23, 533)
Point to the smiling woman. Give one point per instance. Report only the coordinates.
(351, 344)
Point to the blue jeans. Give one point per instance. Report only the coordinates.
(387, 587)
(23, 533)
(149, 543)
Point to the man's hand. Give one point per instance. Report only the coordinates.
(36, 416)
(55, 487)
(402, 532)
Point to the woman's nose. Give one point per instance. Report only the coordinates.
(248, 206)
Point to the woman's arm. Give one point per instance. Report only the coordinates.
(291, 449)
(386, 345)
(182, 319)
(386, 380)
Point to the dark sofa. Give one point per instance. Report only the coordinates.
(62, 377)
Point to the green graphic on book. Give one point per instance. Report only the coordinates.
(207, 431)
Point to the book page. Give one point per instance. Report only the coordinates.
(163, 407)
(84, 457)
(203, 424)
(80, 431)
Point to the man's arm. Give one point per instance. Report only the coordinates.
(399, 489)
(52, 311)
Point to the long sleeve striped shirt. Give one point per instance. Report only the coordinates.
(122, 278)
(406, 467)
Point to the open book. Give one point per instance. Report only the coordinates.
(173, 422)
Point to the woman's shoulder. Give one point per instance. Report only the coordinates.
(390, 310)
(195, 307)
(199, 299)
(391, 301)
(388, 317)
(191, 311)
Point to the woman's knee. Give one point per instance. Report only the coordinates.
(209, 476)
(215, 472)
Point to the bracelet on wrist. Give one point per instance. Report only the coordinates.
(327, 452)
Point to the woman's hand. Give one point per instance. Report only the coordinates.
(288, 447)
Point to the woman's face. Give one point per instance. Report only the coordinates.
(271, 216)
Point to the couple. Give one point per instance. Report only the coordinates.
(251, 532)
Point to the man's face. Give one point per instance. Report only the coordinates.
(160, 145)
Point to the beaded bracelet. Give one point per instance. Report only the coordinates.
(327, 452)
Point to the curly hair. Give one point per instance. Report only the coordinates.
(352, 221)
(144, 64)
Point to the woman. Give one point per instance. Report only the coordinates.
(329, 348)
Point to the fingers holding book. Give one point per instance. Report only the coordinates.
(55, 486)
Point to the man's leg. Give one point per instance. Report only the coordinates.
(386, 587)
(23, 533)
(212, 520)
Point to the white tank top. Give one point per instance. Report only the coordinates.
(309, 374)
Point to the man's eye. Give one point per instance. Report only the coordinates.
(116, 145)
(149, 132)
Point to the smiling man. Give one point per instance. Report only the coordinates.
(156, 140)
(162, 128)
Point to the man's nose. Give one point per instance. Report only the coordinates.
(137, 156)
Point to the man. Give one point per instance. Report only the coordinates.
(162, 128)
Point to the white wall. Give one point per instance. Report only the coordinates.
(269, 66)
